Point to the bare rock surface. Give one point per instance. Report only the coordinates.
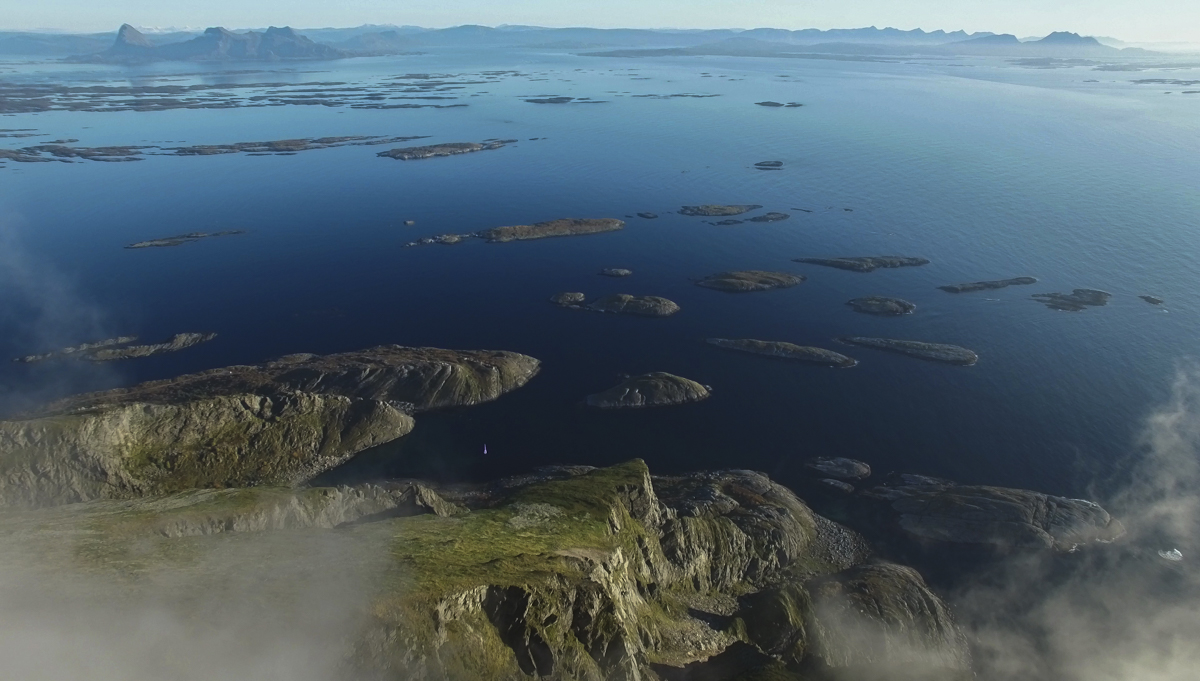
(656, 389)
(935, 352)
(750, 280)
(783, 350)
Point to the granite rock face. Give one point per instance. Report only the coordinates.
(941, 510)
(879, 305)
(934, 352)
(750, 280)
(643, 306)
(866, 264)
(784, 350)
(568, 573)
(656, 389)
(276, 423)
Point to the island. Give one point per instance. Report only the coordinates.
(769, 165)
(656, 389)
(1078, 300)
(865, 264)
(879, 305)
(770, 217)
(615, 272)
(643, 306)
(839, 467)
(777, 105)
(783, 350)
(717, 211)
(1153, 300)
(988, 285)
(941, 510)
(282, 422)
(167, 242)
(552, 228)
(935, 352)
(440, 150)
(750, 280)
(568, 299)
(180, 341)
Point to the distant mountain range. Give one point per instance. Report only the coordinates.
(129, 45)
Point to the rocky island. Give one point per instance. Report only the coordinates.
(441, 150)
(1153, 300)
(750, 280)
(615, 272)
(879, 305)
(840, 467)
(657, 389)
(783, 350)
(717, 211)
(643, 306)
(770, 217)
(941, 510)
(988, 285)
(276, 423)
(865, 264)
(568, 299)
(121, 348)
(1078, 300)
(935, 352)
(552, 228)
(169, 241)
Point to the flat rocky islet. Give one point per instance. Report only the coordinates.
(750, 280)
(769, 165)
(1078, 300)
(642, 306)
(839, 467)
(656, 389)
(782, 350)
(121, 348)
(59, 151)
(443, 150)
(777, 105)
(935, 352)
(879, 305)
(282, 422)
(865, 264)
(717, 211)
(568, 299)
(988, 285)
(941, 510)
(540, 230)
(167, 242)
(648, 216)
(1153, 300)
(617, 272)
(770, 217)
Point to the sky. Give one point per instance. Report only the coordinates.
(1130, 20)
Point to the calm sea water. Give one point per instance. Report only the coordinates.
(987, 169)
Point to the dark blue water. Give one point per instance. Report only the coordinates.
(987, 169)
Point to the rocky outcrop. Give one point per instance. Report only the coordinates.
(988, 285)
(277, 423)
(656, 389)
(81, 350)
(568, 299)
(616, 272)
(717, 211)
(552, 228)
(866, 264)
(840, 467)
(783, 350)
(879, 305)
(1153, 300)
(180, 341)
(568, 573)
(750, 280)
(1076, 301)
(643, 306)
(770, 217)
(441, 150)
(934, 352)
(941, 510)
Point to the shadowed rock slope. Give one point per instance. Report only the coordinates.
(572, 573)
(281, 422)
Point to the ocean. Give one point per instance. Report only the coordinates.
(988, 168)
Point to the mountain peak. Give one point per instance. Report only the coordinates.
(1068, 38)
(128, 36)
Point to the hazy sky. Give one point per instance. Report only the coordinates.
(1133, 20)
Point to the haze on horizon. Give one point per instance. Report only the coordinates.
(1140, 21)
